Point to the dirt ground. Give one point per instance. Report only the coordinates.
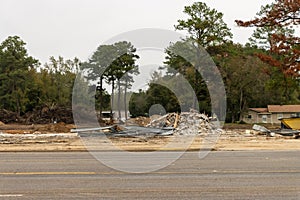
(57, 137)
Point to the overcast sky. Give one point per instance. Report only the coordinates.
(77, 27)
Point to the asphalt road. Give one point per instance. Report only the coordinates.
(221, 175)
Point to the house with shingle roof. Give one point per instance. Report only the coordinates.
(271, 114)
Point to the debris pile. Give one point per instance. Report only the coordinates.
(168, 120)
(192, 123)
(187, 123)
(261, 130)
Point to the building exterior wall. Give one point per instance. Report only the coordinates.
(251, 117)
(264, 118)
(277, 116)
(272, 118)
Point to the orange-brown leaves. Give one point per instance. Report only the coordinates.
(284, 51)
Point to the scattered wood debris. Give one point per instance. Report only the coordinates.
(168, 120)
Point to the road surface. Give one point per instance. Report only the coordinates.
(221, 175)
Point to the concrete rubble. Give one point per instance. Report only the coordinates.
(186, 123)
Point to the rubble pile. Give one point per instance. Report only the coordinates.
(192, 123)
(187, 123)
(168, 120)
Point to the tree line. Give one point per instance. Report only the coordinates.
(264, 71)
(26, 86)
(261, 72)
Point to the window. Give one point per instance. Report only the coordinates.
(279, 116)
(249, 116)
(295, 115)
(264, 119)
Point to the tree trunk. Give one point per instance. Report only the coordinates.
(112, 99)
(17, 97)
(18, 108)
(100, 98)
(232, 118)
(195, 100)
(197, 69)
(119, 100)
(241, 105)
(286, 88)
(125, 99)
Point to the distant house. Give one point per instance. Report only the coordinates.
(271, 114)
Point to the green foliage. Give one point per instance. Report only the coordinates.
(59, 75)
(159, 94)
(205, 26)
(114, 64)
(105, 99)
(15, 79)
(250, 82)
(138, 104)
(141, 102)
(25, 86)
(181, 58)
(262, 36)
